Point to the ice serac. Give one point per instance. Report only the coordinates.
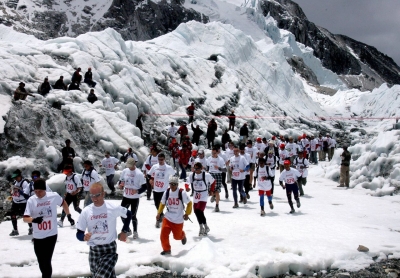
(133, 19)
(359, 65)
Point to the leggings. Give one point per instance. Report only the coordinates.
(134, 203)
(157, 200)
(224, 182)
(289, 189)
(110, 182)
(71, 199)
(44, 249)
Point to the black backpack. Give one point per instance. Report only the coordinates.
(83, 173)
(179, 196)
(204, 180)
(297, 160)
(73, 180)
(267, 171)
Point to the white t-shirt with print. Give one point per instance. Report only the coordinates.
(298, 162)
(200, 193)
(175, 210)
(161, 174)
(70, 185)
(101, 222)
(290, 177)
(109, 164)
(89, 181)
(215, 162)
(133, 180)
(252, 151)
(46, 207)
(264, 184)
(237, 164)
(23, 186)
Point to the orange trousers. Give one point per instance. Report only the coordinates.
(168, 227)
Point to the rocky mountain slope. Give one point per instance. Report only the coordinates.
(133, 19)
(359, 65)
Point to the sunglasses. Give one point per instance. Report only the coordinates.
(95, 195)
(173, 184)
(197, 168)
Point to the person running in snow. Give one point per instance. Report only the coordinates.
(73, 186)
(133, 183)
(151, 160)
(68, 154)
(100, 221)
(60, 85)
(190, 111)
(89, 78)
(197, 132)
(36, 175)
(92, 98)
(183, 131)
(223, 174)
(290, 177)
(265, 176)
(291, 147)
(216, 166)
(20, 193)
(174, 148)
(313, 150)
(238, 165)
(260, 145)
(129, 154)
(88, 178)
(271, 161)
(41, 213)
(203, 184)
(253, 153)
(283, 156)
(159, 178)
(184, 156)
(232, 119)
(192, 159)
(229, 153)
(174, 198)
(345, 168)
(172, 130)
(301, 163)
(246, 183)
(211, 133)
(110, 163)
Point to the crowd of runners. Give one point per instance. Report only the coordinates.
(235, 169)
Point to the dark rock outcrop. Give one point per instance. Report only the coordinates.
(371, 67)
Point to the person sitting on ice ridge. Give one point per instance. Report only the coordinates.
(60, 85)
(92, 97)
(45, 87)
(89, 78)
(21, 93)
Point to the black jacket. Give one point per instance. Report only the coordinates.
(92, 98)
(346, 158)
(244, 131)
(197, 132)
(60, 85)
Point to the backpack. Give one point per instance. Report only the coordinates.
(297, 160)
(267, 171)
(83, 173)
(179, 196)
(73, 180)
(204, 180)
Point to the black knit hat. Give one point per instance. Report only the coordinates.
(39, 184)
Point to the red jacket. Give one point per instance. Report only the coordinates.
(182, 130)
(174, 149)
(184, 156)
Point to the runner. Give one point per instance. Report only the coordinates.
(283, 155)
(184, 156)
(238, 165)
(203, 184)
(271, 161)
(36, 175)
(20, 193)
(41, 210)
(260, 145)
(246, 184)
(129, 154)
(265, 177)
(133, 183)
(100, 220)
(172, 130)
(159, 178)
(174, 199)
(174, 148)
(290, 177)
(229, 153)
(313, 150)
(301, 163)
(291, 147)
(216, 166)
(73, 186)
(253, 153)
(110, 163)
(223, 174)
(88, 178)
(151, 160)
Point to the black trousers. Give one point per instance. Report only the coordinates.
(224, 182)
(71, 199)
(148, 190)
(134, 203)
(17, 209)
(157, 199)
(44, 249)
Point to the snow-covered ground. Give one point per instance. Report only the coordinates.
(324, 232)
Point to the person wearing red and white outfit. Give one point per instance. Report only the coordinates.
(73, 186)
(290, 177)
(283, 155)
(264, 175)
(110, 163)
(203, 184)
(305, 143)
(260, 145)
(41, 211)
(174, 199)
(159, 180)
(313, 150)
(133, 183)
(292, 148)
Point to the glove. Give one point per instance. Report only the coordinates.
(71, 221)
(37, 220)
